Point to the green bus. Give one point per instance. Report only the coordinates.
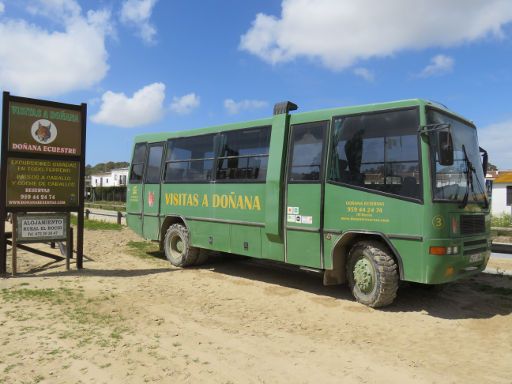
(368, 195)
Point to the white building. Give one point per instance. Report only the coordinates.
(115, 178)
(502, 194)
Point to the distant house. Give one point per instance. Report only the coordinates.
(115, 178)
(502, 193)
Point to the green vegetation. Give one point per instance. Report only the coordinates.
(491, 167)
(501, 221)
(97, 225)
(55, 296)
(110, 205)
(114, 195)
(104, 167)
(145, 250)
(91, 324)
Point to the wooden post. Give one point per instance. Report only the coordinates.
(3, 177)
(119, 216)
(80, 216)
(69, 248)
(14, 245)
(71, 240)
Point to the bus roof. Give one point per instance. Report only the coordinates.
(296, 118)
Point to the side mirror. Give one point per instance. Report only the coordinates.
(485, 160)
(445, 147)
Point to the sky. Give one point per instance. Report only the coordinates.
(145, 66)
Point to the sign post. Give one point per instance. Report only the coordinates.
(42, 170)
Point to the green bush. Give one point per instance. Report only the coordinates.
(115, 194)
(501, 221)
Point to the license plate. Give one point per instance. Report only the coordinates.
(476, 257)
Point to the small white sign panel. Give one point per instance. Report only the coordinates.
(41, 227)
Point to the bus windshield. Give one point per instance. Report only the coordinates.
(465, 175)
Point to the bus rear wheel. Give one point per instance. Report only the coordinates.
(372, 274)
(177, 247)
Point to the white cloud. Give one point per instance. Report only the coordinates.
(144, 107)
(341, 32)
(493, 139)
(439, 65)
(233, 107)
(35, 61)
(137, 13)
(364, 73)
(2, 7)
(185, 104)
(60, 9)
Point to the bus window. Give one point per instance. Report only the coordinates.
(244, 155)
(307, 152)
(378, 151)
(189, 159)
(139, 156)
(154, 163)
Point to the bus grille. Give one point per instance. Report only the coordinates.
(471, 243)
(476, 250)
(471, 224)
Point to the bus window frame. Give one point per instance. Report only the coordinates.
(217, 157)
(432, 175)
(323, 164)
(165, 161)
(143, 162)
(162, 160)
(421, 199)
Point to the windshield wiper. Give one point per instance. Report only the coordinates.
(470, 170)
(469, 178)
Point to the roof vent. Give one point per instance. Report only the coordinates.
(284, 107)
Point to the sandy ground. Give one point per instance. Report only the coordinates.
(127, 319)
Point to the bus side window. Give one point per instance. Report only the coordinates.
(307, 143)
(139, 157)
(189, 159)
(378, 151)
(154, 163)
(243, 155)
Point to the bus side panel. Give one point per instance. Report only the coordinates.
(152, 223)
(246, 240)
(274, 192)
(303, 248)
(412, 253)
(228, 203)
(214, 236)
(303, 226)
(134, 208)
(349, 209)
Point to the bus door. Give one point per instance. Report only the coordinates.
(136, 188)
(304, 189)
(152, 190)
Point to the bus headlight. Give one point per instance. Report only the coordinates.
(441, 251)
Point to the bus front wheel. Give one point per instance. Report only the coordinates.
(177, 247)
(372, 274)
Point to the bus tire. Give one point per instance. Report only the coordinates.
(372, 274)
(177, 247)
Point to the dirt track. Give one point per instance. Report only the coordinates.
(126, 319)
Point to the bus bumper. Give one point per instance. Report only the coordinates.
(471, 258)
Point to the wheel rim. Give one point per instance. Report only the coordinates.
(364, 275)
(177, 246)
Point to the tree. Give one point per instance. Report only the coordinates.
(491, 167)
(104, 167)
